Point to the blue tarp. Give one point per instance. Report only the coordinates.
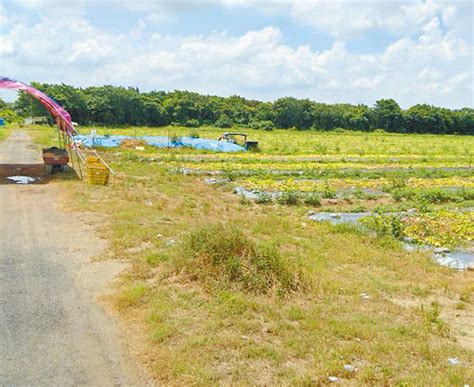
(160, 142)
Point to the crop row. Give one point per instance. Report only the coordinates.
(306, 185)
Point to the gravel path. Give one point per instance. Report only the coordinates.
(52, 330)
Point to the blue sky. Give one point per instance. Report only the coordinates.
(331, 51)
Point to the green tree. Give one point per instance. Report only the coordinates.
(387, 115)
(224, 121)
(463, 121)
(424, 118)
(112, 105)
(287, 113)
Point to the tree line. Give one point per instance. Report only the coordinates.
(114, 106)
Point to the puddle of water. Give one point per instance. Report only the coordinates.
(457, 259)
(255, 194)
(338, 218)
(249, 195)
(22, 179)
(352, 217)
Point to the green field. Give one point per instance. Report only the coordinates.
(350, 172)
(227, 290)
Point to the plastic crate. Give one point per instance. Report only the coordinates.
(96, 172)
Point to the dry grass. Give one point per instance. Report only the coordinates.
(196, 334)
(132, 144)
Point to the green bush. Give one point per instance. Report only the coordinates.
(263, 198)
(220, 255)
(328, 193)
(10, 116)
(224, 121)
(290, 198)
(192, 123)
(384, 225)
(263, 125)
(312, 199)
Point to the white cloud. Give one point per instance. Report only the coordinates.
(341, 19)
(345, 19)
(6, 47)
(3, 17)
(434, 67)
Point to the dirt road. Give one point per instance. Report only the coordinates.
(52, 330)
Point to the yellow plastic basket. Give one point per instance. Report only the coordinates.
(96, 172)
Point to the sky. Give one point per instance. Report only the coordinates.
(331, 51)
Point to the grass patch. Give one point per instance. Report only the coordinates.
(221, 255)
(131, 296)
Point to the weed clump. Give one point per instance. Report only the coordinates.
(383, 226)
(263, 198)
(221, 255)
(328, 193)
(313, 199)
(289, 198)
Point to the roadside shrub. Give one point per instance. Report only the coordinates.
(312, 199)
(220, 255)
(290, 198)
